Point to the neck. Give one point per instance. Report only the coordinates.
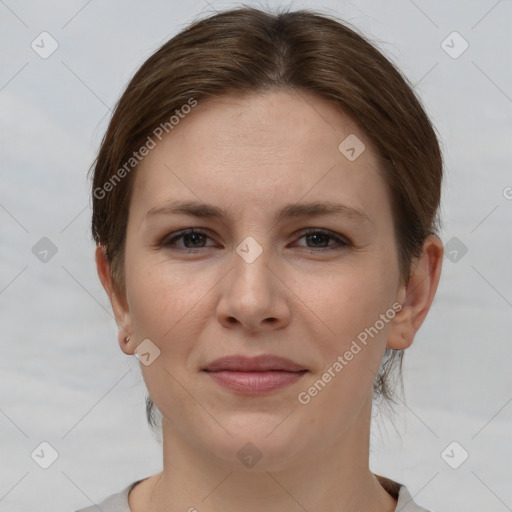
(333, 477)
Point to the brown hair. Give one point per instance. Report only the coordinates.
(247, 50)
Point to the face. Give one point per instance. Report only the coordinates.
(268, 277)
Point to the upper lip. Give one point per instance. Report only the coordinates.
(261, 363)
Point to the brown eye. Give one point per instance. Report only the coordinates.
(319, 239)
(192, 239)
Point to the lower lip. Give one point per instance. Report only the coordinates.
(255, 383)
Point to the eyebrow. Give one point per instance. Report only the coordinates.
(204, 210)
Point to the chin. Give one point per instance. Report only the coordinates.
(259, 444)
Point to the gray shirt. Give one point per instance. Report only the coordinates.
(119, 502)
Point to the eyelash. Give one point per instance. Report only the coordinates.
(341, 242)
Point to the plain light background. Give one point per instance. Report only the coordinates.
(64, 379)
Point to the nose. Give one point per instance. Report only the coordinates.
(253, 297)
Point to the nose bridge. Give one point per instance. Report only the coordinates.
(251, 275)
(251, 294)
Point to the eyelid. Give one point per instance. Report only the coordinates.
(178, 235)
(340, 238)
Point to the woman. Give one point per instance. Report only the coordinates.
(265, 206)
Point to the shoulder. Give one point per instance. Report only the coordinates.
(114, 503)
(405, 502)
(119, 502)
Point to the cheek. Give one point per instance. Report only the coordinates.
(169, 304)
(351, 339)
(345, 300)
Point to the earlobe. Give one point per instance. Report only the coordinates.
(119, 304)
(417, 296)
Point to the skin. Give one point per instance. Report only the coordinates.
(252, 156)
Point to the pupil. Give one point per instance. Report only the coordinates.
(195, 237)
(317, 237)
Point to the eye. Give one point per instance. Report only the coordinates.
(320, 238)
(192, 238)
(196, 239)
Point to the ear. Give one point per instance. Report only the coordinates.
(416, 297)
(119, 304)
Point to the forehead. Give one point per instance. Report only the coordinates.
(279, 120)
(257, 150)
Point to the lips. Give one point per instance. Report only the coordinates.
(263, 363)
(254, 376)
